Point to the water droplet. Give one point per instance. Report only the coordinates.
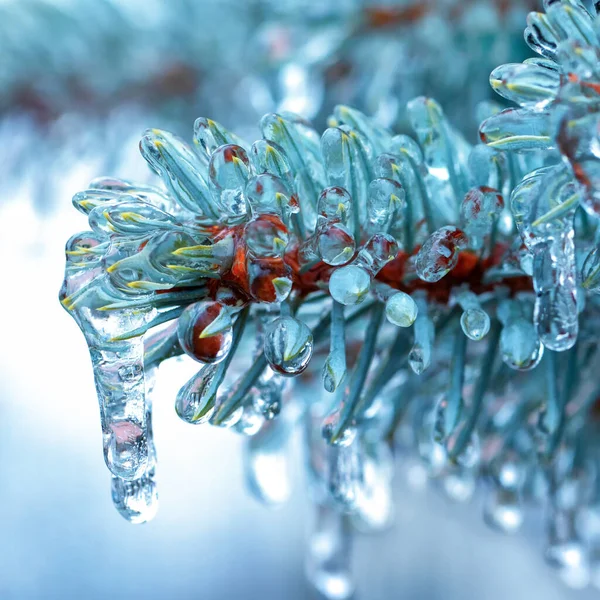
(267, 397)
(268, 194)
(270, 279)
(334, 204)
(385, 205)
(379, 250)
(250, 421)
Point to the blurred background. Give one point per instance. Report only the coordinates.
(79, 82)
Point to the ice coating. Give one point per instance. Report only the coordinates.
(439, 253)
(543, 205)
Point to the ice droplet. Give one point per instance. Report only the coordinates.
(520, 346)
(475, 323)
(205, 331)
(288, 345)
(349, 285)
(266, 236)
(401, 309)
(336, 244)
(439, 253)
(459, 484)
(195, 400)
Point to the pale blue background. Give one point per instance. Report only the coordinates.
(60, 537)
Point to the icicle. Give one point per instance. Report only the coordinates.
(374, 507)
(266, 464)
(137, 499)
(328, 560)
(345, 474)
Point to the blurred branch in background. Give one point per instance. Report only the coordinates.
(81, 79)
